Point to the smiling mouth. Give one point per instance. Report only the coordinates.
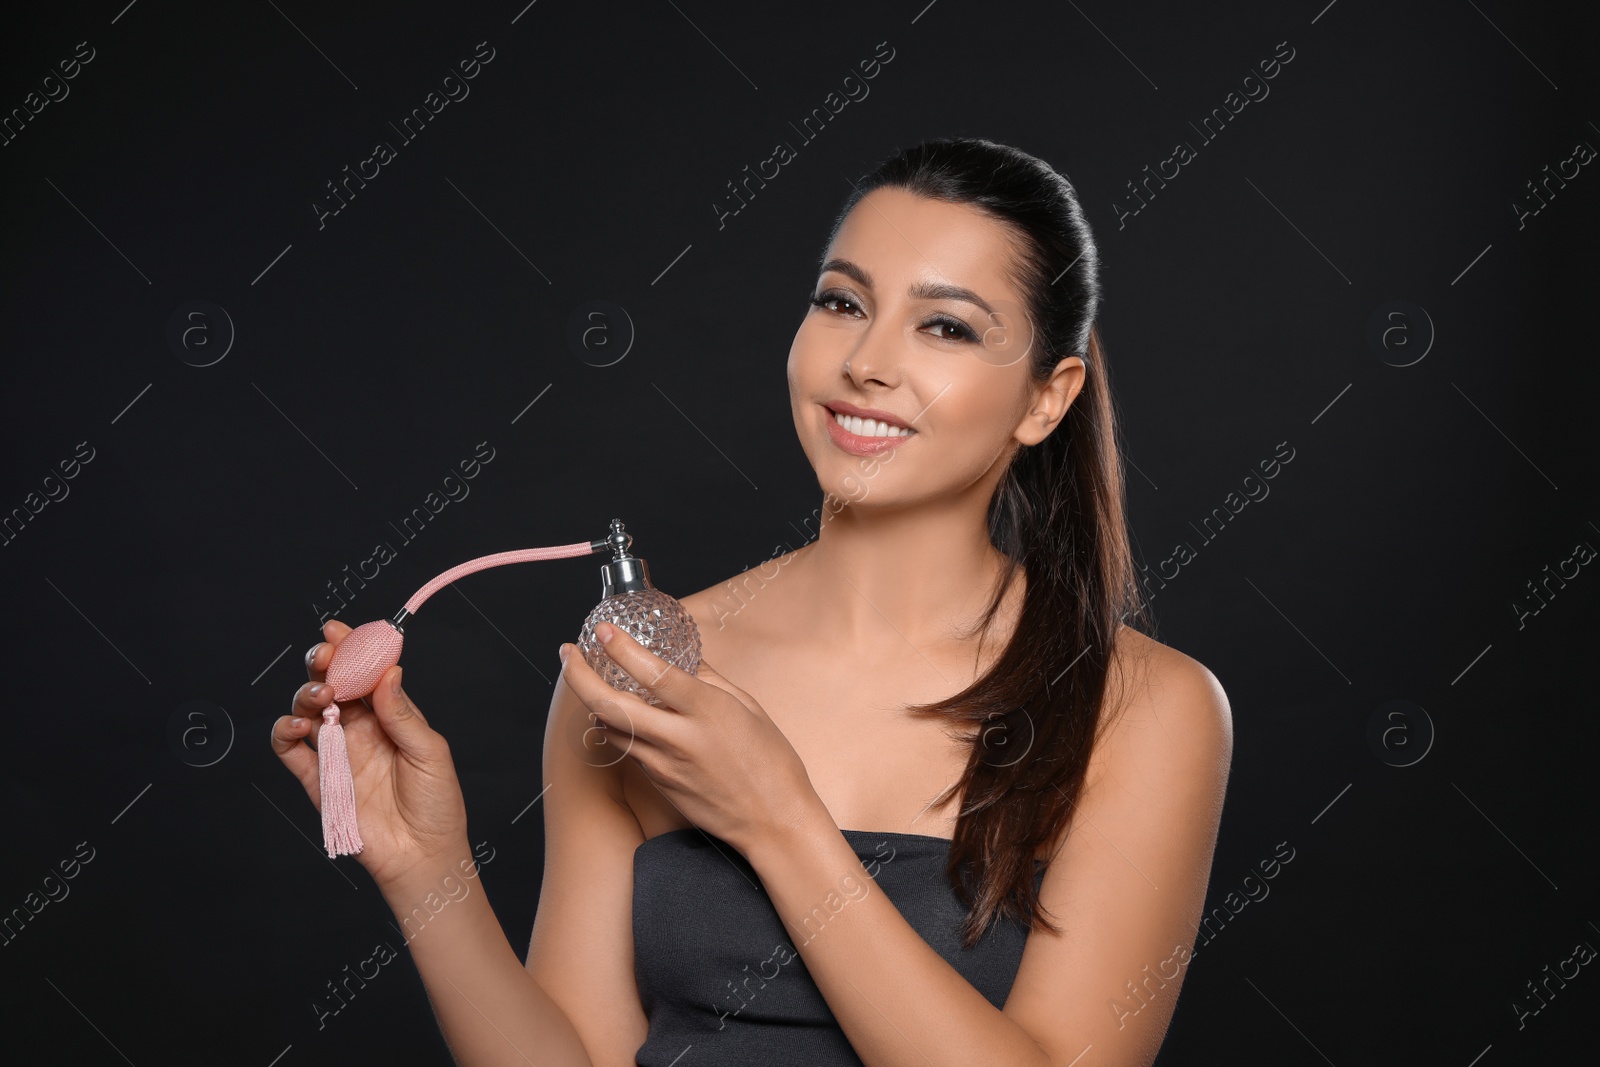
(862, 436)
(861, 427)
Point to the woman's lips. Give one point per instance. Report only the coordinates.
(856, 444)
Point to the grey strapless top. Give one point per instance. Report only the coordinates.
(719, 976)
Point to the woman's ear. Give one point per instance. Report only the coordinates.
(1051, 400)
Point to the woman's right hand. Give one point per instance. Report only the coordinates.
(409, 805)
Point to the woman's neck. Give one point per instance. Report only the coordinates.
(882, 578)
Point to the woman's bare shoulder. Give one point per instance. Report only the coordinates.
(1160, 700)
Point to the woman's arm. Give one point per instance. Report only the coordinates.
(582, 944)
(574, 1003)
(1126, 890)
(490, 1010)
(414, 831)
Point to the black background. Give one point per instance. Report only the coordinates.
(374, 353)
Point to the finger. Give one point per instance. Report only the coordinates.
(670, 683)
(621, 710)
(319, 655)
(310, 700)
(402, 720)
(710, 675)
(611, 727)
(288, 741)
(615, 724)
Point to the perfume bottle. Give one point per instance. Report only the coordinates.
(632, 604)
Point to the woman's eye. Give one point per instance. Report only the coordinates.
(826, 300)
(840, 304)
(960, 330)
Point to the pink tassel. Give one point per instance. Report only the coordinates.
(340, 834)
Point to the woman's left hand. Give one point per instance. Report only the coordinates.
(711, 750)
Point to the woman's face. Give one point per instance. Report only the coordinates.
(903, 330)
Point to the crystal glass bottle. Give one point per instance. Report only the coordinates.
(632, 604)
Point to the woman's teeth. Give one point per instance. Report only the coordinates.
(870, 427)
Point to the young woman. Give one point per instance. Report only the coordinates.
(932, 800)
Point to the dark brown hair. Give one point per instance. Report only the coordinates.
(1059, 516)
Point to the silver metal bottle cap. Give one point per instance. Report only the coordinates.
(623, 573)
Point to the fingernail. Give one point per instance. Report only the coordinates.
(296, 722)
(563, 652)
(311, 654)
(316, 690)
(605, 632)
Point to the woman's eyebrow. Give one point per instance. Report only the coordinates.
(849, 270)
(919, 291)
(946, 291)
